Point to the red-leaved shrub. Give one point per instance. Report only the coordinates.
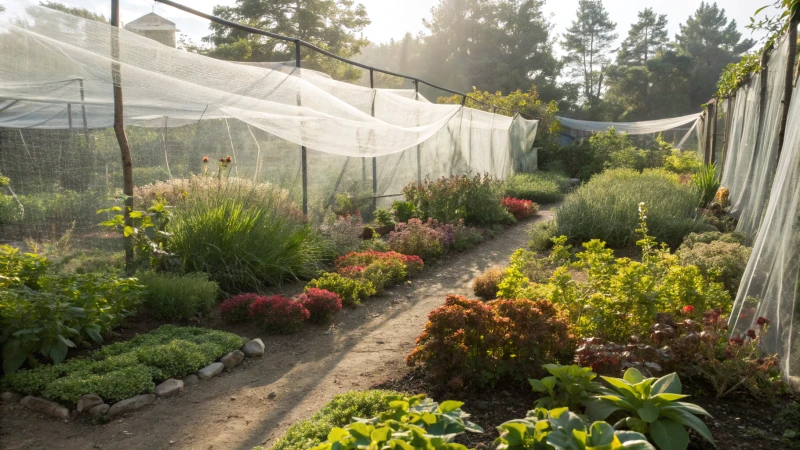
(469, 342)
(520, 209)
(353, 261)
(414, 264)
(237, 308)
(322, 304)
(278, 314)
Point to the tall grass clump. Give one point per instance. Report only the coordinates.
(244, 235)
(707, 182)
(179, 297)
(606, 208)
(540, 187)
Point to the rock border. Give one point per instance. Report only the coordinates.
(94, 406)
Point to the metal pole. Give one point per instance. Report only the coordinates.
(69, 117)
(713, 156)
(119, 130)
(303, 152)
(374, 160)
(419, 152)
(787, 90)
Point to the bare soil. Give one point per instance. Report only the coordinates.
(255, 403)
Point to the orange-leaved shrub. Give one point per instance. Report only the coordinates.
(485, 285)
(472, 343)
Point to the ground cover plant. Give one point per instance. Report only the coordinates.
(540, 187)
(125, 369)
(44, 315)
(605, 208)
(722, 257)
(179, 297)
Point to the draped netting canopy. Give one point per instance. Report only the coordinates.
(56, 110)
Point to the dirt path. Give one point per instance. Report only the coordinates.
(304, 371)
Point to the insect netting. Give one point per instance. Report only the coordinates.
(60, 152)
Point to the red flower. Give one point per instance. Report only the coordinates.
(751, 333)
(761, 321)
(735, 341)
(205, 159)
(222, 160)
(688, 309)
(227, 159)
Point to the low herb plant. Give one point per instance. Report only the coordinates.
(125, 369)
(179, 297)
(719, 256)
(237, 308)
(570, 386)
(343, 233)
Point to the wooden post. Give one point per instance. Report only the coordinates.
(119, 130)
(303, 151)
(713, 155)
(787, 90)
(374, 160)
(419, 153)
(725, 140)
(707, 131)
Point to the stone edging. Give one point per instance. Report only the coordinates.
(93, 405)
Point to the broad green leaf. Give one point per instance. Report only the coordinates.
(13, 356)
(648, 412)
(692, 408)
(450, 405)
(337, 434)
(668, 384)
(623, 387)
(626, 436)
(381, 434)
(633, 376)
(537, 385)
(600, 433)
(600, 409)
(58, 352)
(128, 231)
(669, 435)
(667, 399)
(686, 418)
(135, 215)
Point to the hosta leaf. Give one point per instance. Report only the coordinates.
(600, 433)
(537, 385)
(684, 417)
(622, 387)
(58, 352)
(633, 376)
(337, 434)
(648, 412)
(692, 408)
(668, 384)
(450, 405)
(13, 356)
(669, 435)
(600, 409)
(626, 436)
(381, 434)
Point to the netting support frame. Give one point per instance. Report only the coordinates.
(303, 151)
(789, 86)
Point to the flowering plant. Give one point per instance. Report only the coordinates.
(237, 308)
(321, 304)
(520, 209)
(278, 314)
(417, 238)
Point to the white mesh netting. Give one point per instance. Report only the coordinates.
(56, 110)
(753, 143)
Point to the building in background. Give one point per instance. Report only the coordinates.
(154, 27)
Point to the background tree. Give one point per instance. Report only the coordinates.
(645, 37)
(334, 25)
(712, 43)
(587, 42)
(75, 11)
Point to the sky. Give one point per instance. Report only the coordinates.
(391, 19)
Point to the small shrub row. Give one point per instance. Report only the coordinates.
(282, 315)
(179, 297)
(125, 369)
(430, 239)
(540, 187)
(360, 275)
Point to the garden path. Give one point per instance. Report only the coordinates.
(255, 403)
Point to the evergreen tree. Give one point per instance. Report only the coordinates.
(712, 43)
(646, 37)
(75, 11)
(334, 25)
(587, 42)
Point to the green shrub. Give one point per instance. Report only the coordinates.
(179, 297)
(475, 200)
(540, 235)
(61, 313)
(20, 269)
(338, 412)
(606, 207)
(720, 260)
(682, 161)
(540, 187)
(125, 369)
(465, 237)
(403, 211)
(352, 291)
(244, 236)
